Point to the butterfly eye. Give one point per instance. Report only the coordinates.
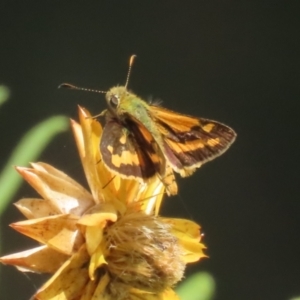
(114, 101)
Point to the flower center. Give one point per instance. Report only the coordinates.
(143, 253)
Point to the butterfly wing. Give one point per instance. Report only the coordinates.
(126, 152)
(128, 149)
(164, 170)
(188, 141)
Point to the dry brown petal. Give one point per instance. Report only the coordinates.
(58, 232)
(33, 208)
(41, 259)
(46, 168)
(192, 251)
(100, 291)
(63, 195)
(69, 281)
(99, 214)
(97, 260)
(95, 289)
(188, 234)
(184, 228)
(89, 138)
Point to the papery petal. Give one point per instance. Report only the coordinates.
(128, 190)
(69, 281)
(97, 260)
(77, 132)
(63, 194)
(98, 215)
(184, 228)
(46, 168)
(58, 232)
(95, 221)
(193, 251)
(41, 259)
(96, 289)
(90, 154)
(99, 293)
(93, 237)
(152, 196)
(33, 208)
(188, 234)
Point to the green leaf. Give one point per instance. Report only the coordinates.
(4, 94)
(29, 149)
(200, 286)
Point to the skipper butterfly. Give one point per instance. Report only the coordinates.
(142, 140)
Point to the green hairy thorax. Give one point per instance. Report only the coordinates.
(131, 106)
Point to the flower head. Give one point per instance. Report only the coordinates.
(106, 243)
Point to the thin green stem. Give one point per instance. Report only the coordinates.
(29, 148)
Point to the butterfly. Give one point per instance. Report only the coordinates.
(142, 140)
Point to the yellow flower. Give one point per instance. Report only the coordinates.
(106, 244)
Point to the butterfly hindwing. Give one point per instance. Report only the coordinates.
(164, 169)
(127, 152)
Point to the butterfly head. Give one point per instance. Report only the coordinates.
(114, 98)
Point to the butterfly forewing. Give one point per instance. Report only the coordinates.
(189, 142)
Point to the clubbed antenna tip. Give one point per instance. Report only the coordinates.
(67, 86)
(131, 60)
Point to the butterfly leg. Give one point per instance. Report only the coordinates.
(98, 115)
(168, 179)
(109, 181)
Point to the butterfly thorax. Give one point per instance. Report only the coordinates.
(125, 105)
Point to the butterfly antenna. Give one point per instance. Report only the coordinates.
(131, 60)
(73, 87)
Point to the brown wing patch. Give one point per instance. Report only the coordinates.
(150, 145)
(164, 170)
(126, 153)
(189, 142)
(127, 156)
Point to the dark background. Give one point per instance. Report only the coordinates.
(233, 61)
